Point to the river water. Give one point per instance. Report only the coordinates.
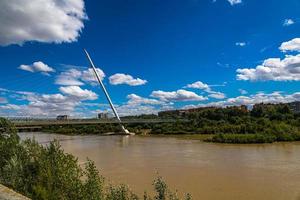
(208, 171)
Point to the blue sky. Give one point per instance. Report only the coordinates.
(153, 55)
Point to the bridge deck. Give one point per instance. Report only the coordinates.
(82, 122)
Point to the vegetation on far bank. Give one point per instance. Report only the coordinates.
(265, 123)
(48, 173)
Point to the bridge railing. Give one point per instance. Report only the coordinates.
(88, 121)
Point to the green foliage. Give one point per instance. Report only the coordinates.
(265, 123)
(161, 189)
(7, 127)
(94, 184)
(243, 138)
(121, 192)
(82, 129)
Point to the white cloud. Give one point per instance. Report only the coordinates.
(217, 95)
(179, 95)
(72, 103)
(137, 105)
(287, 69)
(37, 67)
(76, 91)
(40, 105)
(40, 20)
(10, 107)
(198, 85)
(90, 77)
(261, 97)
(288, 22)
(203, 86)
(292, 45)
(234, 2)
(134, 99)
(119, 78)
(70, 77)
(49, 105)
(243, 92)
(77, 77)
(241, 44)
(131, 110)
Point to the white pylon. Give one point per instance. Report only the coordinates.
(106, 94)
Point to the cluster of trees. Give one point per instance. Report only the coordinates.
(48, 173)
(263, 123)
(75, 129)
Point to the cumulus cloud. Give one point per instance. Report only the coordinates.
(288, 22)
(9, 107)
(137, 105)
(119, 78)
(292, 45)
(90, 77)
(203, 86)
(134, 99)
(41, 20)
(179, 95)
(234, 2)
(37, 67)
(217, 95)
(287, 69)
(79, 93)
(241, 44)
(70, 77)
(261, 97)
(40, 105)
(198, 85)
(48, 105)
(72, 102)
(131, 110)
(78, 77)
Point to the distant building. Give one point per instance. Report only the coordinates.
(295, 106)
(62, 117)
(103, 116)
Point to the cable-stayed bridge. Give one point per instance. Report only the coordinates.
(36, 124)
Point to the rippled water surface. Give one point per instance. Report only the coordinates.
(207, 171)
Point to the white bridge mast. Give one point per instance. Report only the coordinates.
(106, 94)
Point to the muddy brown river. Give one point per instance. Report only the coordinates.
(207, 171)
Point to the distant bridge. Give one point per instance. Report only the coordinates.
(30, 124)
